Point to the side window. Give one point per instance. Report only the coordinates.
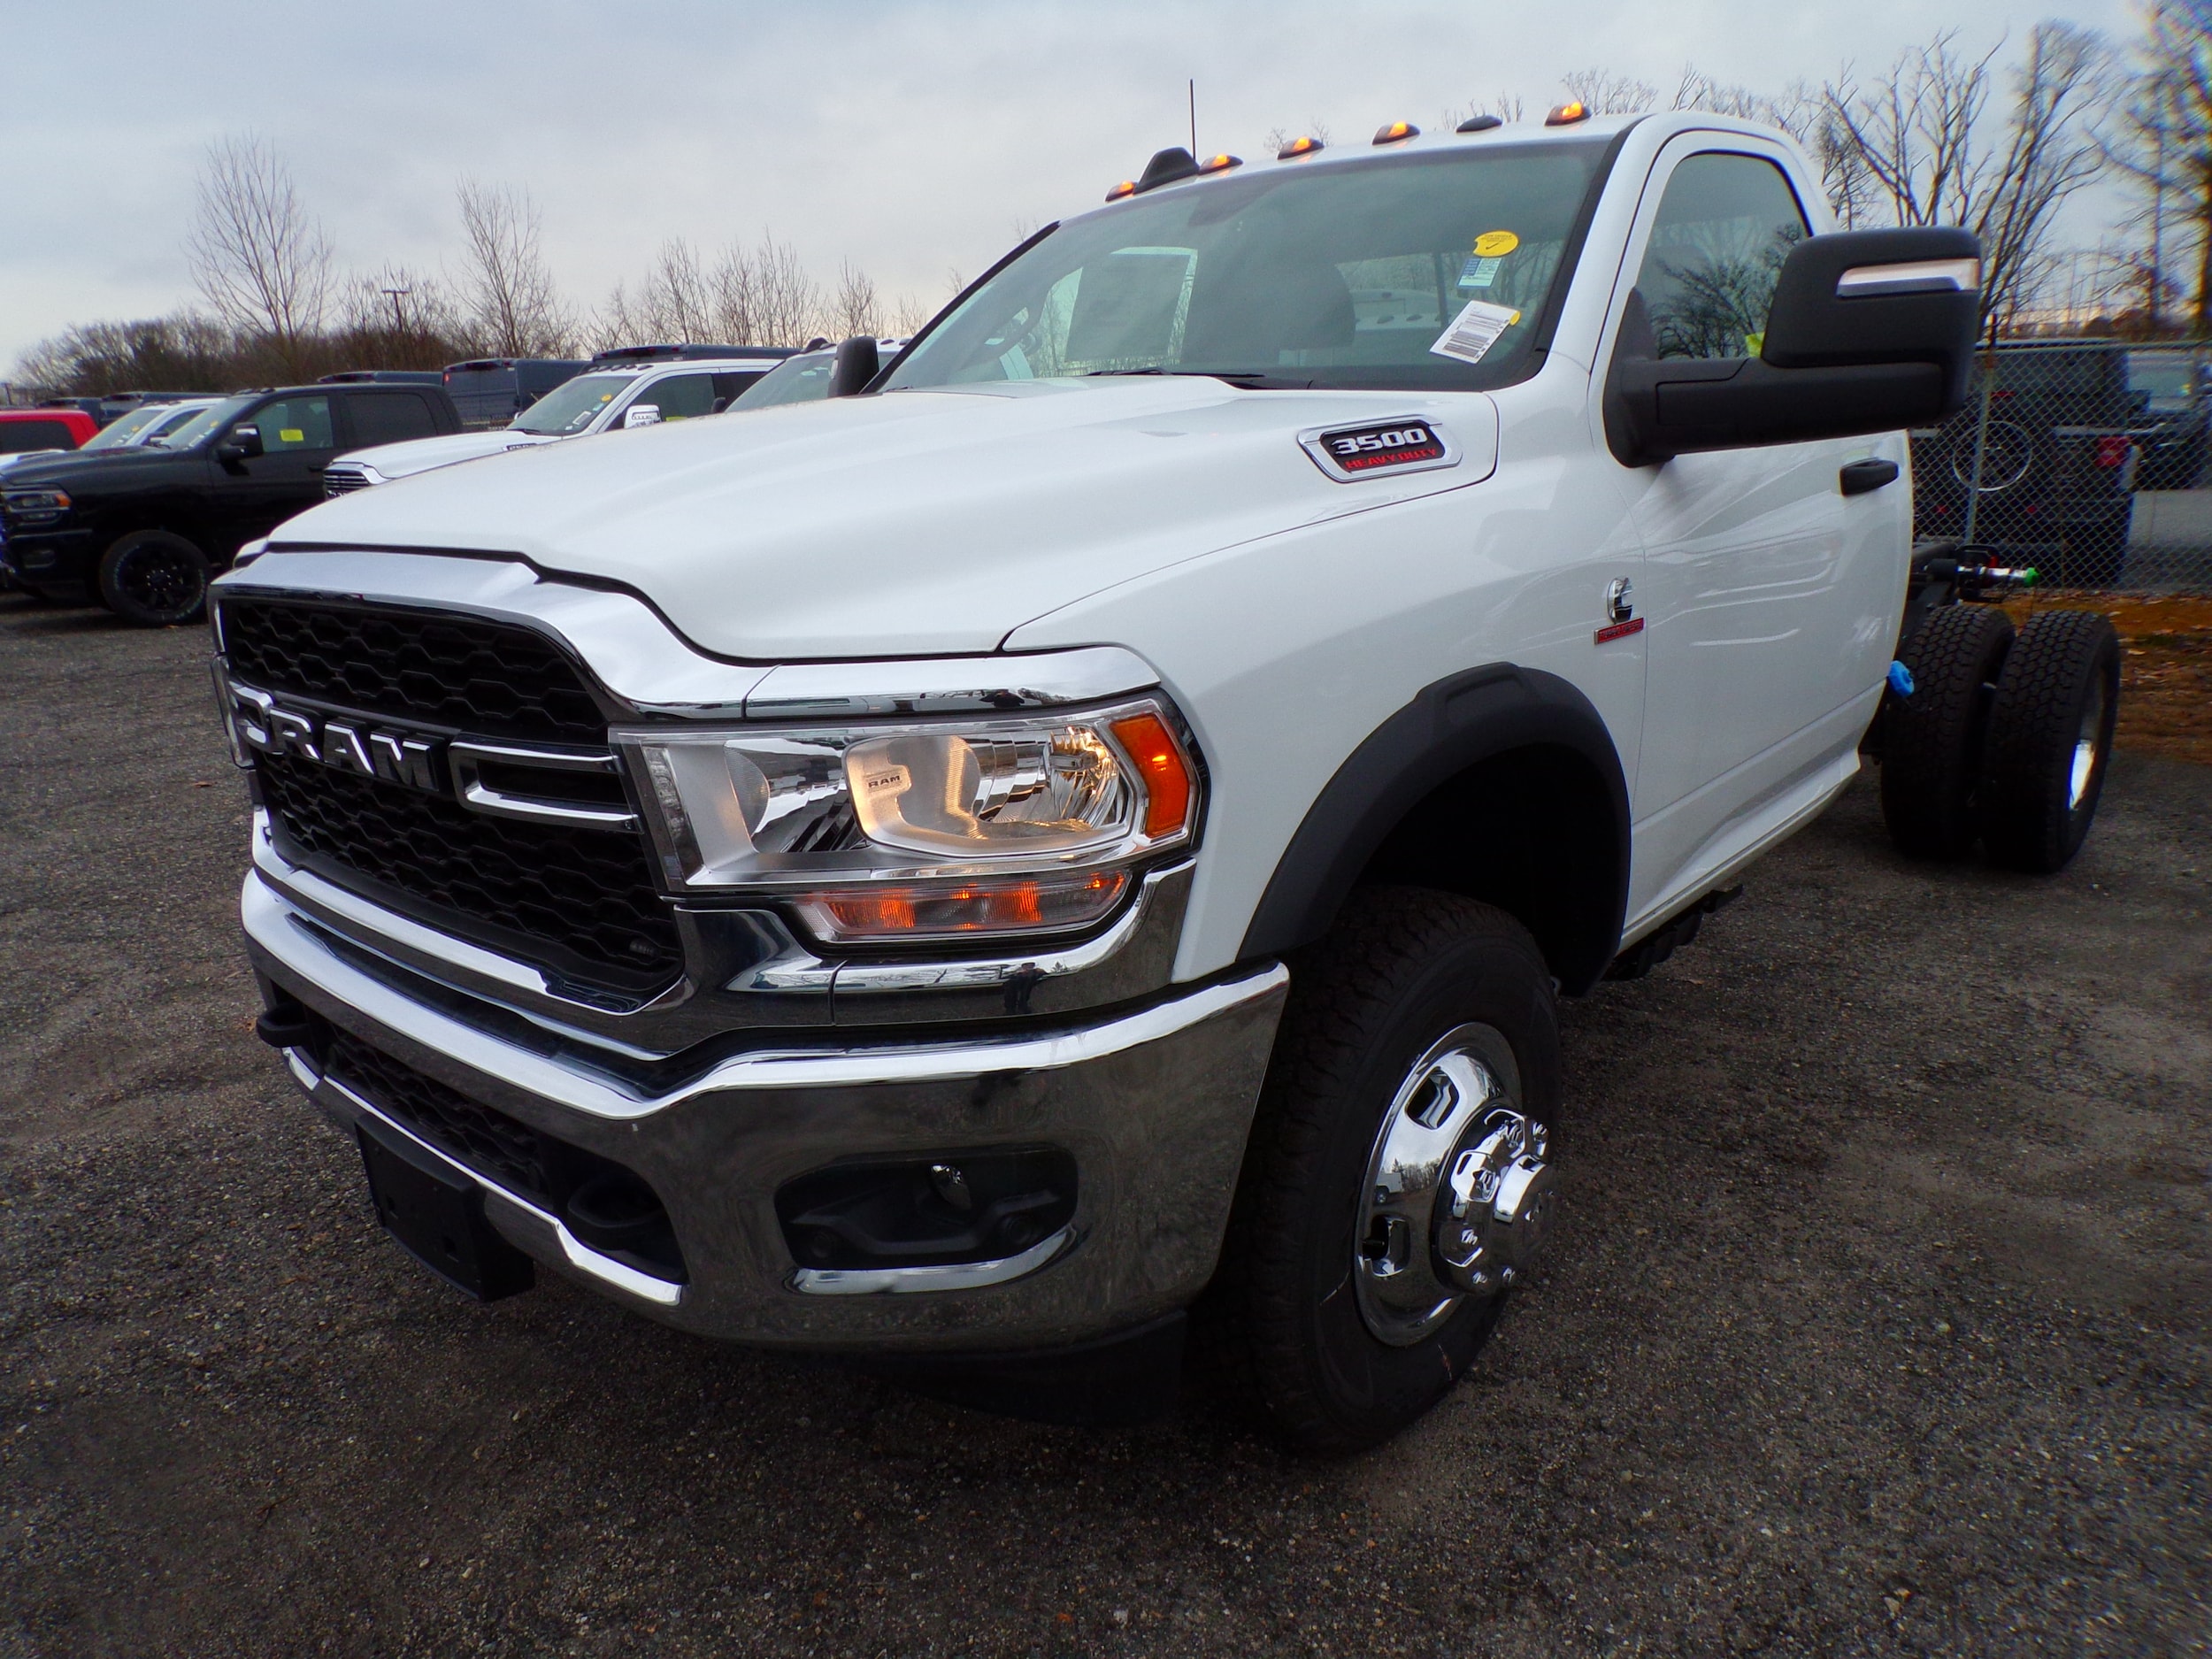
(680, 396)
(389, 417)
(1724, 227)
(297, 423)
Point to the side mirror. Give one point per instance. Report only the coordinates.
(641, 415)
(1869, 331)
(856, 365)
(243, 444)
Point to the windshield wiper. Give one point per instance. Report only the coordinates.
(1250, 379)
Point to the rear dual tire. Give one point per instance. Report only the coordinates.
(2005, 738)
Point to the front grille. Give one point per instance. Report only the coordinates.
(608, 1205)
(581, 900)
(487, 679)
(340, 480)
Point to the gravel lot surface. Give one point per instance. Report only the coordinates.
(1878, 1322)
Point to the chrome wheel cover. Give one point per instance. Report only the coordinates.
(2083, 769)
(1457, 1190)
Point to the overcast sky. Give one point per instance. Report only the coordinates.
(914, 138)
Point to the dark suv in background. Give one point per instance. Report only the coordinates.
(2057, 468)
(141, 531)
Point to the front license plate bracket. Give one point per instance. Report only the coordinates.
(437, 1216)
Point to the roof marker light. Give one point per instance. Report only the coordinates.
(1479, 124)
(1567, 114)
(1298, 146)
(1127, 186)
(1220, 163)
(1396, 132)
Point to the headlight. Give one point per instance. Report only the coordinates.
(37, 503)
(925, 829)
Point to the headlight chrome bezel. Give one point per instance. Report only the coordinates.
(707, 797)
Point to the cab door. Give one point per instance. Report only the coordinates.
(251, 496)
(1755, 591)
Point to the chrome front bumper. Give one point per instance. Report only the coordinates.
(1155, 1105)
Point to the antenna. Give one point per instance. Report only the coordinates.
(1194, 117)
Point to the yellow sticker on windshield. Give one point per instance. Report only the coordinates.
(1495, 244)
(290, 434)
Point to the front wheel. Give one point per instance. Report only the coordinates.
(154, 578)
(1398, 1181)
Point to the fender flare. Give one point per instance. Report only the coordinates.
(1449, 726)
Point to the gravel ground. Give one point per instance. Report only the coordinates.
(1878, 1322)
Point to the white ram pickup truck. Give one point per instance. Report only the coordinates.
(1083, 836)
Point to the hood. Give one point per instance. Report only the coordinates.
(420, 454)
(915, 522)
(98, 467)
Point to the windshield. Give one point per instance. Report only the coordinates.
(210, 419)
(1407, 272)
(570, 406)
(118, 433)
(796, 381)
(175, 416)
(2163, 379)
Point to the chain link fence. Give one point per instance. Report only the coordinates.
(2089, 460)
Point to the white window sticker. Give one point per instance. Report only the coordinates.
(1480, 273)
(1474, 331)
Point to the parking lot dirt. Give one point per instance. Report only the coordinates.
(1877, 1323)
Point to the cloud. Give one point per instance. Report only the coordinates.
(914, 138)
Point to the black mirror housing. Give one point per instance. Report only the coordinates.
(1863, 296)
(1869, 331)
(243, 444)
(856, 365)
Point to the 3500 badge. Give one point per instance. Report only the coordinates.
(1404, 443)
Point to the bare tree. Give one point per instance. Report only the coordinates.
(2161, 142)
(1604, 92)
(513, 305)
(854, 310)
(1930, 141)
(257, 256)
(790, 303)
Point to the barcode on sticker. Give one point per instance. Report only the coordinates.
(1475, 330)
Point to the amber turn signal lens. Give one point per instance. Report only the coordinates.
(1023, 905)
(1160, 764)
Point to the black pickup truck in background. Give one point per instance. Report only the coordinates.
(2057, 474)
(142, 531)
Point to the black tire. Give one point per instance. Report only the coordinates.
(1403, 967)
(1932, 741)
(2050, 739)
(154, 578)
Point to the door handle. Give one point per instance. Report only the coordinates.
(1859, 477)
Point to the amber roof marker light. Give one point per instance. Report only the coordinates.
(1127, 186)
(1396, 132)
(1480, 124)
(1297, 147)
(1567, 114)
(1220, 163)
